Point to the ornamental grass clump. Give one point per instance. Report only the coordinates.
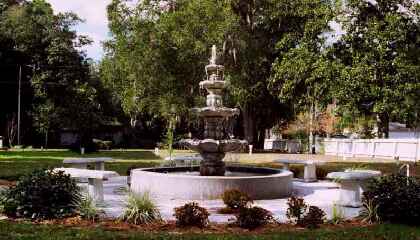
(394, 199)
(140, 209)
(191, 215)
(369, 213)
(337, 215)
(42, 194)
(88, 210)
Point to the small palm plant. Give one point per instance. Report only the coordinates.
(140, 209)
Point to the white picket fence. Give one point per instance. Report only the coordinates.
(402, 149)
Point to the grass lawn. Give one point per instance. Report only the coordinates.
(50, 232)
(14, 164)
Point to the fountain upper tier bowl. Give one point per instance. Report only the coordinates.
(185, 182)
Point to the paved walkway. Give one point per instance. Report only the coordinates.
(321, 194)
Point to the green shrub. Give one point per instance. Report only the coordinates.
(313, 218)
(3, 200)
(296, 209)
(42, 195)
(88, 210)
(394, 198)
(140, 209)
(235, 199)
(191, 214)
(253, 217)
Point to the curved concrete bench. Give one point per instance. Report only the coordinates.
(95, 180)
(309, 174)
(352, 184)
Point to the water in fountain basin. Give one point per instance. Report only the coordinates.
(227, 174)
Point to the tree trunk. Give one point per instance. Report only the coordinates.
(261, 138)
(383, 125)
(249, 125)
(311, 130)
(46, 139)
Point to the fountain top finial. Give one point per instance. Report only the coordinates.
(213, 58)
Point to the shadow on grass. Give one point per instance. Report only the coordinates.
(385, 168)
(122, 155)
(14, 164)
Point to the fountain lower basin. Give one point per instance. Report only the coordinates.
(186, 184)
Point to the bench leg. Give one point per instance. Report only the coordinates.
(350, 194)
(100, 166)
(96, 189)
(310, 173)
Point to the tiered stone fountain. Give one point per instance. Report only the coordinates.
(214, 146)
(212, 178)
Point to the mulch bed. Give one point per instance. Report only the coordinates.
(171, 228)
(5, 183)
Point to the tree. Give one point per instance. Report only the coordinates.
(250, 51)
(57, 88)
(302, 74)
(157, 54)
(381, 57)
(43, 120)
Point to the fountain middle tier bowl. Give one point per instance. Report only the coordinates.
(218, 84)
(186, 184)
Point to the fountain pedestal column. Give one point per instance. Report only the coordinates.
(212, 164)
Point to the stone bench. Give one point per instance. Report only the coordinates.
(82, 163)
(352, 184)
(95, 180)
(309, 174)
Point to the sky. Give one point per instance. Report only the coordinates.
(95, 26)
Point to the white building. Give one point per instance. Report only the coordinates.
(400, 131)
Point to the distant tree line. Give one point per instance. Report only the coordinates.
(282, 59)
(60, 87)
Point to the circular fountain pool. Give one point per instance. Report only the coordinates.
(185, 182)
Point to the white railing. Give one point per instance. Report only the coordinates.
(402, 149)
